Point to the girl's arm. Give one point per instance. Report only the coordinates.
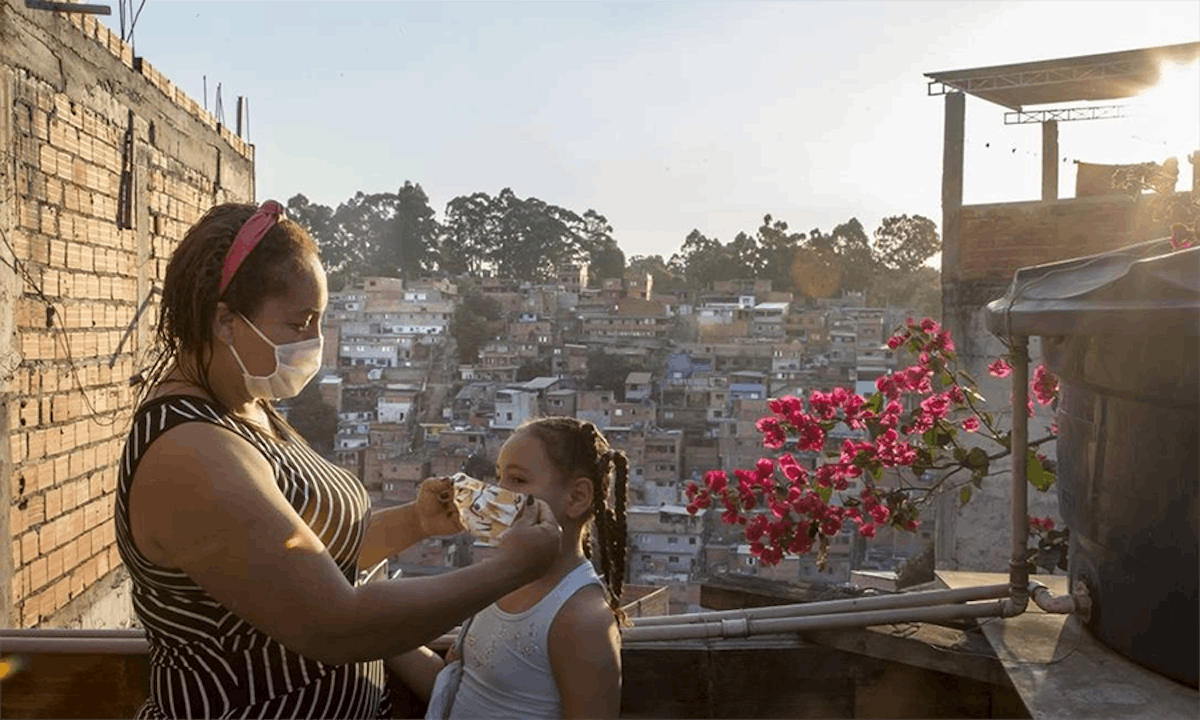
(585, 654)
(417, 669)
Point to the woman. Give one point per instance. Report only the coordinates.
(243, 544)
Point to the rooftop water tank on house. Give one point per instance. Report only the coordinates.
(1122, 331)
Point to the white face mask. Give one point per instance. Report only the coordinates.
(295, 364)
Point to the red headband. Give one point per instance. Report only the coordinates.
(247, 239)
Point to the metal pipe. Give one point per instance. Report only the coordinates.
(925, 598)
(742, 627)
(1018, 566)
(74, 646)
(111, 633)
(1077, 601)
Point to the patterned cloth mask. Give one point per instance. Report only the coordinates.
(486, 510)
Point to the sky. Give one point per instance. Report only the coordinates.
(663, 116)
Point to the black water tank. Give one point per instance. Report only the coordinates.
(1122, 331)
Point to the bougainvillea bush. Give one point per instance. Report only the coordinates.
(913, 426)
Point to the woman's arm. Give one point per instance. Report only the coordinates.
(206, 500)
(585, 654)
(394, 529)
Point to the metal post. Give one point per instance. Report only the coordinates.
(1050, 160)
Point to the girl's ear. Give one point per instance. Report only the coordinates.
(223, 321)
(580, 496)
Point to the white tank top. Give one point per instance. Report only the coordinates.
(506, 658)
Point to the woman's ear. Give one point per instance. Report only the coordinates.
(223, 323)
(580, 497)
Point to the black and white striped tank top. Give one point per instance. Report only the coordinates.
(205, 662)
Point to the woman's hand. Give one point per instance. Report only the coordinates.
(532, 542)
(436, 512)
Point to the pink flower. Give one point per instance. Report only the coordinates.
(895, 341)
(716, 480)
(970, 424)
(1045, 385)
(929, 325)
(773, 434)
(867, 530)
(936, 406)
(944, 341)
(956, 395)
(1000, 368)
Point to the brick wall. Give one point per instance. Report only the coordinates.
(997, 239)
(83, 123)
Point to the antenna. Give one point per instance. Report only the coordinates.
(218, 108)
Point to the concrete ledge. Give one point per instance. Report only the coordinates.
(1061, 671)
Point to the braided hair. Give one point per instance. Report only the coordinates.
(577, 448)
(190, 288)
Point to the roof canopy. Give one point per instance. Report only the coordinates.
(1108, 76)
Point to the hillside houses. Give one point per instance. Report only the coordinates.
(702, 365)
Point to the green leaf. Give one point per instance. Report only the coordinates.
(960, 456)
(876, 470)
(824, 493)
(875, 402)
(1036, 474)
(964, 495)
(977, 478)
(947, 378)
(978, 459)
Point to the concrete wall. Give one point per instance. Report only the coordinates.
(995, 240)
(81, 119)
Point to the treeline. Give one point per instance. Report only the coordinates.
(399, 234)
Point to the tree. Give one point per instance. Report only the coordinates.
(313, 418)
(605, 259)
(318, 220)
(608, 372)
(700, 260)
(853, 249)
(534, 368)
(474, 323)
(904, 243)
(777, 251)
(408, 243)
(469, 234)
(665, 280)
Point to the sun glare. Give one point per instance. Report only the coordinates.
(1172, 110)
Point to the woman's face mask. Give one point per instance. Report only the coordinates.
(295, 364)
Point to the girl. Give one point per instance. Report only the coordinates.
(552, 648)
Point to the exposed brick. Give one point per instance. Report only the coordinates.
(77, 585)
(53, 502)
(61, 592)
(37, 573)
(54, 565)
(29, 548)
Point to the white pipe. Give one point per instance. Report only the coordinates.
(925, 598)
(1077, 601)
(1018, 567)
(742, 627)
